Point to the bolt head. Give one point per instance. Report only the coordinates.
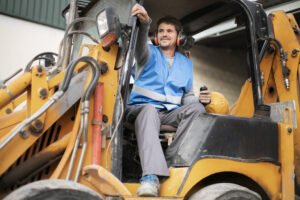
(43, 93)
(8, 111)
(104, 118)
(36, 127)
(40, 69)
(24, 134)
(295, 52)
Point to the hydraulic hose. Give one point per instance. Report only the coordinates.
(83, 116)
(71, 67)
(84, 33)
(72, 160)
(57, 95)
(63, 43)
(37, 57)
(93, 84)
(283, 59)
(263, 50)
(85, 110)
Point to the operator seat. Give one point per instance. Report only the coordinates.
(166, 134)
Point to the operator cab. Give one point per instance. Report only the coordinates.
(221, 62)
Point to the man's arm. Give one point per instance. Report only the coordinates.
(142, 51)
(189, 97)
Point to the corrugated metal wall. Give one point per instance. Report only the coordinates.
(47, 12)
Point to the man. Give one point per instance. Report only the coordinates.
(162, 94)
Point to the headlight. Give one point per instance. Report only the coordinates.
(109, 27)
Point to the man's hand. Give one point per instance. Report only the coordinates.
(141, 13)
(205, 97)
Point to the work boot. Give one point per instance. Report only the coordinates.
(149, 186)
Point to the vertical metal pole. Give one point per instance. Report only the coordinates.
(127, 67)
(72, 15)
(116, 147)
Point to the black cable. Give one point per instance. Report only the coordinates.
(62, 46)
(283, 59)
(67, 74)
(94, 81)
(96, 72)
(84, 33)
(263, 50)
(70, 69)
(38, 57)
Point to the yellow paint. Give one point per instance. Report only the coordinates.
(63, 162)
(16, 87)
(34, 102)
(267, 175)
(13, 104)
(244, 105)
(169, 187)
(284, 33)
(105, 181)
(7, 107)
(19, 100)
(9, 121)
(55, 81)
(276, 181)
(110, 80)
(273, 78)
(286, 156)
(39, 82)
(218, 104)
(110, 88)
(293, 22)
(13, 152)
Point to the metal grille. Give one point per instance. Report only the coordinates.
(45, 140)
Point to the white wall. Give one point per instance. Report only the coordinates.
(220, 69)
(20, 41)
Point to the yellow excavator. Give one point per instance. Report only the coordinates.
(62, 132)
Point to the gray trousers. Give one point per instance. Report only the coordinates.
(147, 125)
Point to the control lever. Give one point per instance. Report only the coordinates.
(204, 88)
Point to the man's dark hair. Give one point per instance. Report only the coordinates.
(170, 20)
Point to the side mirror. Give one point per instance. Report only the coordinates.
(109, 26)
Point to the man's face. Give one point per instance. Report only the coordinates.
(166, 35)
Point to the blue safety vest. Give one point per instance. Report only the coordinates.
(160, 86)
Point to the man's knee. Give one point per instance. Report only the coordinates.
(196, 108)
(200, 108)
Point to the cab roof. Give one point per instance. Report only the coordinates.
(197, 15)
